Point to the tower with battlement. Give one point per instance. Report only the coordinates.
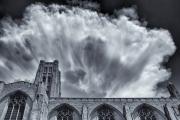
(42, 100)
(48, 76)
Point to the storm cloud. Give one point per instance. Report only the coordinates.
(99, 56)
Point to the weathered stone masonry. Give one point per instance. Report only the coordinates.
(43, 101)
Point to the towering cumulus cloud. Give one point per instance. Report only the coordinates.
(99, 56)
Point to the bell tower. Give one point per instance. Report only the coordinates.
(48, 78)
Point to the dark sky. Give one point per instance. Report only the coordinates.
(165, 13)
(158, 13)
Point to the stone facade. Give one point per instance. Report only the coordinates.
(44, 102)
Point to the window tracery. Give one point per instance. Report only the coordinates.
(146, 113)
(105, 113)
(16, 107)
(65, 113)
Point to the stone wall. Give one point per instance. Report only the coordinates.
(41, 106)
(6, 90)
(85, 107)
(126, 106)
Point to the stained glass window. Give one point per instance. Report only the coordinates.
(65, 113)
(146, 113)
(105, 113)
(16, 107)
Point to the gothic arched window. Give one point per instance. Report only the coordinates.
(16, 107)
(145, 113)
(105, 113)
(65, 113)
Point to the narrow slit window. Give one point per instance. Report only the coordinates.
(50, 69)
(49, 85)
(45, 69)
(44, 79)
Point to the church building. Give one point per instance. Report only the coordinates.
(42, 100)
